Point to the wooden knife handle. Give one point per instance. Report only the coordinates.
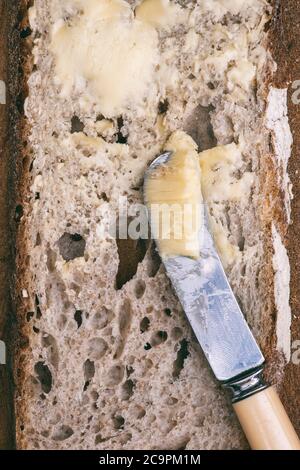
(265, 422)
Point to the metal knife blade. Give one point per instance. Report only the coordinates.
(213, 312)
(211, 307)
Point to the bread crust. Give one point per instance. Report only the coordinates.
(22, 280)
(8, 152)
(285, 47)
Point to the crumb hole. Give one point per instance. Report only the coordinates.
(97, 348)
(51, 260)
(19, 213)
(163, 106)
(63, 433)
(139, 289)
(131, 253)
(25, 32)
(118, 422)
(127, 389)
(182, 354)
(78, 318)
(89, 370)
(44, 376)
(154, 261)
(121, 138)
(116, 374)
(176, 333)
(159, 338)
(145, 324)
(71, 246)
(76, 125)
(168, 312)
(49, 342)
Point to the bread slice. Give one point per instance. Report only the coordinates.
(109, 360)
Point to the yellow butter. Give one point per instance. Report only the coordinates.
(173, 196)
(220, 181)
(105, 54)
(159, 13)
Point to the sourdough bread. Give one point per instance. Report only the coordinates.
(111, 361)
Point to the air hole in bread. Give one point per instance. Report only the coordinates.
(38, 312)
(29, 316)
(19, 213)
(182, 354)
(62, 433)
(168, 312)
(145, 324)
(241, 243)
(49, 342)
(139, 289)
(25, 32)
(97, 348)
(89, 369)
(182, 444)
(118, 422)
(76, 125)
(115, 375)
(44, 376)
(119, 345)
(51, 260)
(101, 318)
(158, 338)
(38, 240)
(125, 317)
(71, 246)
(121, 137)
(129, 370)
(171, 401)
(176, 333)
(127, 389)
(198, 126)
(104, 196)
(78, 318)
(163, 106)
(131, 253)
(20, 102)
(154, 261)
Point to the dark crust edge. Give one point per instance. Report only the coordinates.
(285, 47)
(9, 56)
(289, 390)
(22, 279)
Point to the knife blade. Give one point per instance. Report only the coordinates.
(226, 340)
(213, 312)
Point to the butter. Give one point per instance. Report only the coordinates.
(106, 55)
(220, 182)
(105, 127)
(226, 250)
(159, 13)
(174, 199)
(242, 74)
(222, 7)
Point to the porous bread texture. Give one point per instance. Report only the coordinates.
(109, 364)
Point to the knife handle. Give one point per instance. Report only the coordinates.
(265, 422)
